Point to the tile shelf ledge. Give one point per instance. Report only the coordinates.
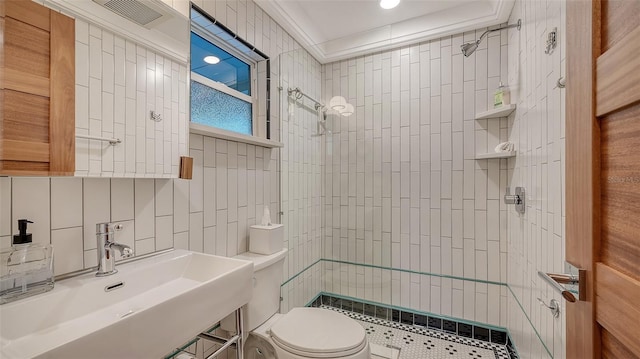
(484, 156)
(232, 136)
(502, 111)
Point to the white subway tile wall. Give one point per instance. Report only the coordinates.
(536, 239)
(5, 212)
(30, 199)
(402, 187)
(118, 83)
(302, 187)
(151, 218)
(116, 86)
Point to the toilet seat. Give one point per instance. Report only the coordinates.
(318, 333)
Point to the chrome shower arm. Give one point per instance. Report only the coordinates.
(485, 34)
(469, 48)
(517, 24)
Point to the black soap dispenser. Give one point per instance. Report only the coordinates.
(22, 237)
(26, 268)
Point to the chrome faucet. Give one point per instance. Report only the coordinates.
(106, 247)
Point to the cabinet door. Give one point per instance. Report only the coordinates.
(37, 61)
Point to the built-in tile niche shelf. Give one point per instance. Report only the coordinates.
(485, 156)
(502, 111)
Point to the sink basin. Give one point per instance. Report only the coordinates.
(164, 301)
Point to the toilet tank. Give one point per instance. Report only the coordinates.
(267, 278)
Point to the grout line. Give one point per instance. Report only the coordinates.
(71, 227)
(84, 262)
(50, 214)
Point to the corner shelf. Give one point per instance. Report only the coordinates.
(484, 156)
(502, 111)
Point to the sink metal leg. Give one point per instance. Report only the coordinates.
(240, 333)
(229, 343)
(236, 341)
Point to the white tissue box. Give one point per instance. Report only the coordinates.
(266, 239)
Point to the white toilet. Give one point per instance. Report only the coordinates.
(302, 333)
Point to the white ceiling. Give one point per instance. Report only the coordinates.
(333, 30)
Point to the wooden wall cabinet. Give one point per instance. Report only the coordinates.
(37, 90)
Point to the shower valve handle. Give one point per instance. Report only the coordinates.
(517, 199)
(511, 198)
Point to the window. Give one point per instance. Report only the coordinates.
(228, 70)
(215, 108)
(226, 75)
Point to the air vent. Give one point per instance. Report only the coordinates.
(143, 13)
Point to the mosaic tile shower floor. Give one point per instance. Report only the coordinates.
(419, 343)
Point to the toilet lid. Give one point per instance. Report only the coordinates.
(318, 333)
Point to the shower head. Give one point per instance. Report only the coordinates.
(470, 47)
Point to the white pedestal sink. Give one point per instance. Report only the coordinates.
(165, 301)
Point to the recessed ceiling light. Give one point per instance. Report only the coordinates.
(389, 4)
(211, 60)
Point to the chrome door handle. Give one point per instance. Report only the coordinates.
(556, 281)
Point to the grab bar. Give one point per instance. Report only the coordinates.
(555, 281)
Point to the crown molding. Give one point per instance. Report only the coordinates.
(274, 9)
(422, 28)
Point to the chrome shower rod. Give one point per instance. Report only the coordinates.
(297, 94)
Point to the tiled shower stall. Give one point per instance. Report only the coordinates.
(402, 186)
